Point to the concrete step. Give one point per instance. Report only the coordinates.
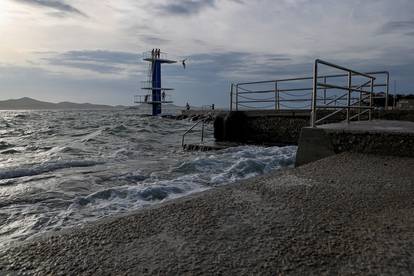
(209, 146)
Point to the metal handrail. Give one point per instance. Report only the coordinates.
(237, 89)
(242, 93)
(342, 96)
(342, 108)
(320, 61)
(140, 99)
(203, 121)
(309, 78)
(149, 54)
(348, 88)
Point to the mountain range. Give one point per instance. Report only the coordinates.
(29, 103)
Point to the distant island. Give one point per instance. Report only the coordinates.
(29, 103)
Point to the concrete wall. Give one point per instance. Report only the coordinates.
(318, 143)
(278, 127)
(399, 115)
(260, 127)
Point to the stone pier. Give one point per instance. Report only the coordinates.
(280, 127)
(382, 137)
(261, 127)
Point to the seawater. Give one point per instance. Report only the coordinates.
(59, 169)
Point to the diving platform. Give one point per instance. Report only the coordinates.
(157, 88)
(158, 95)
(161, 60)
(153, 102)
(147, 99)
(160, 57)
(141, 99)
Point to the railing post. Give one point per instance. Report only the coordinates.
(231, 97)
(348, 110)
(387, 91)
(277, 107)
(360, 103)
(314, 94)
(324, 91)
(237, 97)
(202, 132)
(278, 98)
(371, 99)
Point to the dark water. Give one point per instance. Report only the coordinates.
(63, 168)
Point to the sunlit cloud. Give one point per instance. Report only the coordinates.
(223, 40)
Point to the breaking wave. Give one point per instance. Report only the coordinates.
(36, 169)
(195, 175)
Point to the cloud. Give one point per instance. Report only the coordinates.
(97, 68)
(240, 66)
(186, 7)
(8, 70)
(114, 57)
(98, 61)
(397, 26)
(58, 5)
(239, 40)
(154, 40)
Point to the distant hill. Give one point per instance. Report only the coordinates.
(29, 103)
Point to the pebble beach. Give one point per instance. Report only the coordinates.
(348, 214)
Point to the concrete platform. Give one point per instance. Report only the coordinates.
(281, 126)
(376, 126)
(383, 137)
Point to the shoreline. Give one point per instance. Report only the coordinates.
(345, 214)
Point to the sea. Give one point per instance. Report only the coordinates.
(61, 169)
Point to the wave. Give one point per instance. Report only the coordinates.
(5, 145)
(92, 136)
(118, 130)
(36, 169)
(10, 151)
(127, 198)
(21, 116)
(133, 194)
(198, 174)
(239, 163)
(130, 177)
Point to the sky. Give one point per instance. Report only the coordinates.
(91, 50)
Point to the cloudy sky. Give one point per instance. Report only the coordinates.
(90, 50)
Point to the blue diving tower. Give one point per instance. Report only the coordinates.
(155, 95)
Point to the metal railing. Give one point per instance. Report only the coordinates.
(361, 104)
(298, 93)
(207, 107)
(147, 99)
(203, 123)
(149, 55)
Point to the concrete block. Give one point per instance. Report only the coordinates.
(314, 144)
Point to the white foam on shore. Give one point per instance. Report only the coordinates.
(36, 169)
(199, 174)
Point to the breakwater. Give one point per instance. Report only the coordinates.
(381, 137)
(279, 127)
